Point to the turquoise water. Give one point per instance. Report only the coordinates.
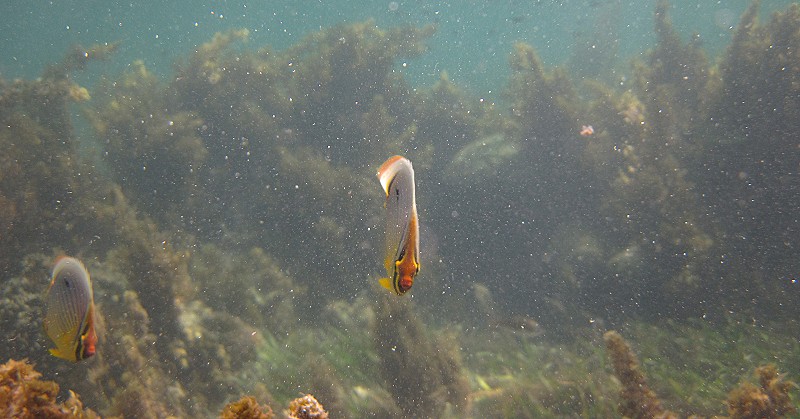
(472, 43)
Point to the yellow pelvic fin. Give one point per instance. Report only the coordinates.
(386, 283)
(60, 354)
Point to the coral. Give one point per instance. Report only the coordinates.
(246, 408)
(770, 400)
(306, 407)
(23, 395)
(638, 400)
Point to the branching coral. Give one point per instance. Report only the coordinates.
(23, 395)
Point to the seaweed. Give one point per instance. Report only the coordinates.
(270, 156)
(424, 374)
(24, 395)
(306, 407)
(638, 400)
(751, 136)
(544, 104)
(246, 408)
(156, 152)
(770, 400)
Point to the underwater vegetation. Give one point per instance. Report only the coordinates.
(24, 395)
(246, 407)
(638, 400)
(770, 400)
(431, 378)
(231, 222)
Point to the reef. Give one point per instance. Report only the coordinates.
(228, 216)
(24, 395)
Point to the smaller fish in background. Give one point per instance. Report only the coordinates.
(586, 131)
(69, 311)
(402, 225)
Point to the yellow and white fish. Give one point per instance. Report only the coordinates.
(402, 225)
(69, 311)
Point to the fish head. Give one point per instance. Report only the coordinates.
(406, 273)
(88, 344)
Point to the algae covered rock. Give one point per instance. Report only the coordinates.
(23, 395)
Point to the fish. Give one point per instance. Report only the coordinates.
(402, 224)
(69, 311)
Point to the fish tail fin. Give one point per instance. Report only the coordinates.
(386, 283)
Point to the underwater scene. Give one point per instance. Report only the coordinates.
(400, 209)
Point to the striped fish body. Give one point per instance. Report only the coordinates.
(69, 311)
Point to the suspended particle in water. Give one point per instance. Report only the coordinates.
(393, 6)
(725, 19)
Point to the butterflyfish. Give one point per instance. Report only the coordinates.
(69, 311)
(402, 225)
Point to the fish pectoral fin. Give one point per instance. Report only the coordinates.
(386, 283)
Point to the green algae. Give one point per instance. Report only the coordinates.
(236, 223)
